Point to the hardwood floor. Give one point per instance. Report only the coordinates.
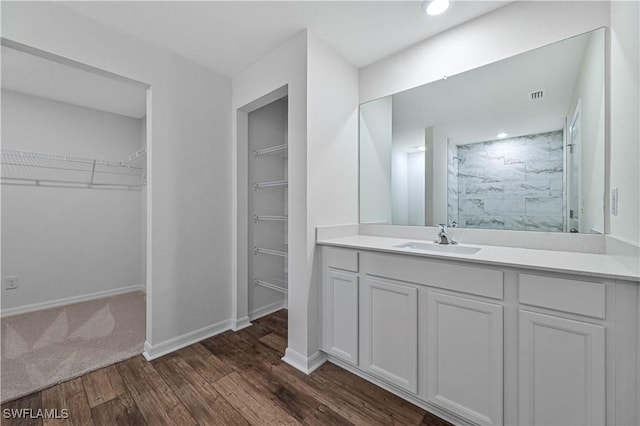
(230, 379)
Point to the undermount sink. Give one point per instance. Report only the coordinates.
(446, 248)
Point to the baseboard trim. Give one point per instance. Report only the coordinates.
(266, 310)
(152, 352)
(305, 364)
(70, 300)
(239, 324)
(446, 415)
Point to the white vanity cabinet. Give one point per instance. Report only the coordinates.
(562, 371)
(464, 356)
(340, 304)
(389, 332)
(484, 344)
(561, 354)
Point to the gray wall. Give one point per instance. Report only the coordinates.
(513, 184)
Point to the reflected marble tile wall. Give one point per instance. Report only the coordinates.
(514, 184)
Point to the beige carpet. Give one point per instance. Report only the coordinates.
(42, 348)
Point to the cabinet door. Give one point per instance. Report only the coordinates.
(562, 371)
(340, 315)
(464, 357)
(389, 332)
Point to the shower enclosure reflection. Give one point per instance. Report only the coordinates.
(516, 145)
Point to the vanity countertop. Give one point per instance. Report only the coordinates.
(595, 265)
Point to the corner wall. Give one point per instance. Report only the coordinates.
(624, 123)
(322, 131)
(332, 156)
(188, 287)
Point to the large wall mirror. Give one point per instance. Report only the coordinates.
(518, 145)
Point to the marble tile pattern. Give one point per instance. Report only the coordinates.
(514, 184)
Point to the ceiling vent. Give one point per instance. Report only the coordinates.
(537, 95)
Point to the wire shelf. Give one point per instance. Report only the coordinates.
(41, 169)
(262, 250)
(259, 217)
(271, 150)
(273, 283)
(270, 184)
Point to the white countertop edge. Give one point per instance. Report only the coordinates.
(584, 264)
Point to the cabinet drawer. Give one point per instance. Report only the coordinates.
(573, 296)
(338, 258)
(466, 279)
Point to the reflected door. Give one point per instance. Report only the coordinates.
(574, 160)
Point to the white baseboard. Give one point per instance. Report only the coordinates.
(240, 323)
(446, 415)
(268, 309)
(70, 300)
(155, 351)
(305, 364)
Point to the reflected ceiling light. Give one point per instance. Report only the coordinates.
(436, 7)
(502, 135)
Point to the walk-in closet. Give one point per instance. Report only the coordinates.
(74, 177)
(267, 204)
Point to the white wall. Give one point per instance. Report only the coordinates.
(416, 188)
(189, 283)
(376, 140)
(67, 242)
(332, 153)
(399, 187)
(624, 113)
(510, 30)
(589, 89)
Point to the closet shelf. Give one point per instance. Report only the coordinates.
(258, 217)
(42, 169)
(262, 250)
(270, 184)
(130, 159)
(271, 150)
(274, 283)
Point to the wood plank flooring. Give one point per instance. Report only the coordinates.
(230, 379)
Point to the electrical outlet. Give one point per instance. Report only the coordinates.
(12, 283)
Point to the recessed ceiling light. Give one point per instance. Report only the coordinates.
(502, 135)
(436, 7)
(420, 148)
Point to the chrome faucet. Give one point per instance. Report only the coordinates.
(443, 238)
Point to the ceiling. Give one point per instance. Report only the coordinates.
(477, 105)
(229, 36)
(33, 75)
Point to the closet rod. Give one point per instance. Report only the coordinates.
(270, 184)
(270, 150)
(260, 250)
